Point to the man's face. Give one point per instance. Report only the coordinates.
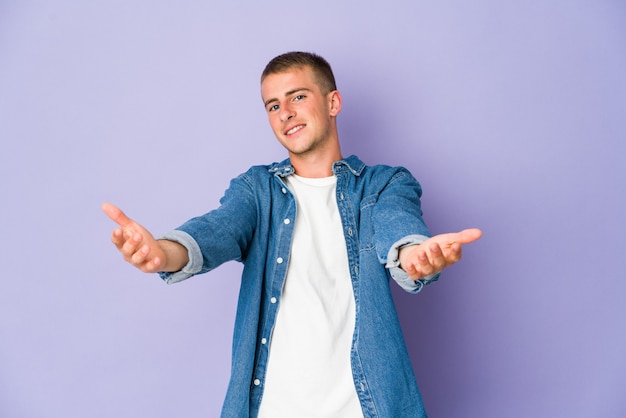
(301, 116)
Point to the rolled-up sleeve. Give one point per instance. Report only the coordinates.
(193, 266)
(398, 274)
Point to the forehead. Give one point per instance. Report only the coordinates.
(279, 84)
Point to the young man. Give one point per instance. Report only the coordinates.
(320, 236)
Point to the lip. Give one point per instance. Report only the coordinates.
(300, 126)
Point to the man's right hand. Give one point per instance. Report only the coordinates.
(139, 247)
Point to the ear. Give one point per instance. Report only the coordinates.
(334, 102)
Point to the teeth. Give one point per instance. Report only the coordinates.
(294, 129)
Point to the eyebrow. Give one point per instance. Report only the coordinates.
(289, 93)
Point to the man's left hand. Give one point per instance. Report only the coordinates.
(436, 253)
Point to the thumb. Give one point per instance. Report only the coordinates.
(469, 235)
(116, 215)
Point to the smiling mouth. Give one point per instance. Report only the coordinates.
(294, 129)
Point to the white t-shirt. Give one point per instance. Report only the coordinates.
(309, 372)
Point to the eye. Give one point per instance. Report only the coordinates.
(273, 108)
(299, 97)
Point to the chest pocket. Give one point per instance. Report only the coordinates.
(366, 228)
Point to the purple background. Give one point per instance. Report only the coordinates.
(511, 114)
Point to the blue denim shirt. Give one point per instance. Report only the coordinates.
(380, 212)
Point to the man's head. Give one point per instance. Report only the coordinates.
(297, 60)
(302, 103)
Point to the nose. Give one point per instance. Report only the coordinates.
(286, 113)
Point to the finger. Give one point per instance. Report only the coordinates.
(464, 237)
(132, 242)
(410, 269)
(452, 254)
(469, 235)
(117, 237)
(436, 257)
(116, 215)
(145, 261)
(140, 256)
(423, 266)
(153, 265)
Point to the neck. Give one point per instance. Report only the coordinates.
(315, 165)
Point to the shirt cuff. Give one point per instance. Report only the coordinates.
(195, 257)
(399, 275)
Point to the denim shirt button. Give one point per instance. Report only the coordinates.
(287, 221)
(350, 231)
(273, 300)
(279, 260)
(257, 382)
(263, 341)
(283, 190)
(341, 196)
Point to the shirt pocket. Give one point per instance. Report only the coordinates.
(366, 224)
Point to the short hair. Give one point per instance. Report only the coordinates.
(321, 68)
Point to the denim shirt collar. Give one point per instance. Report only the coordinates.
(352, 164)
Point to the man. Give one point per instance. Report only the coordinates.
(316, 331)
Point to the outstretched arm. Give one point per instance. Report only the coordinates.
(436, 253)
(139, 247)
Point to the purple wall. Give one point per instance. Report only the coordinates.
(511, 116)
